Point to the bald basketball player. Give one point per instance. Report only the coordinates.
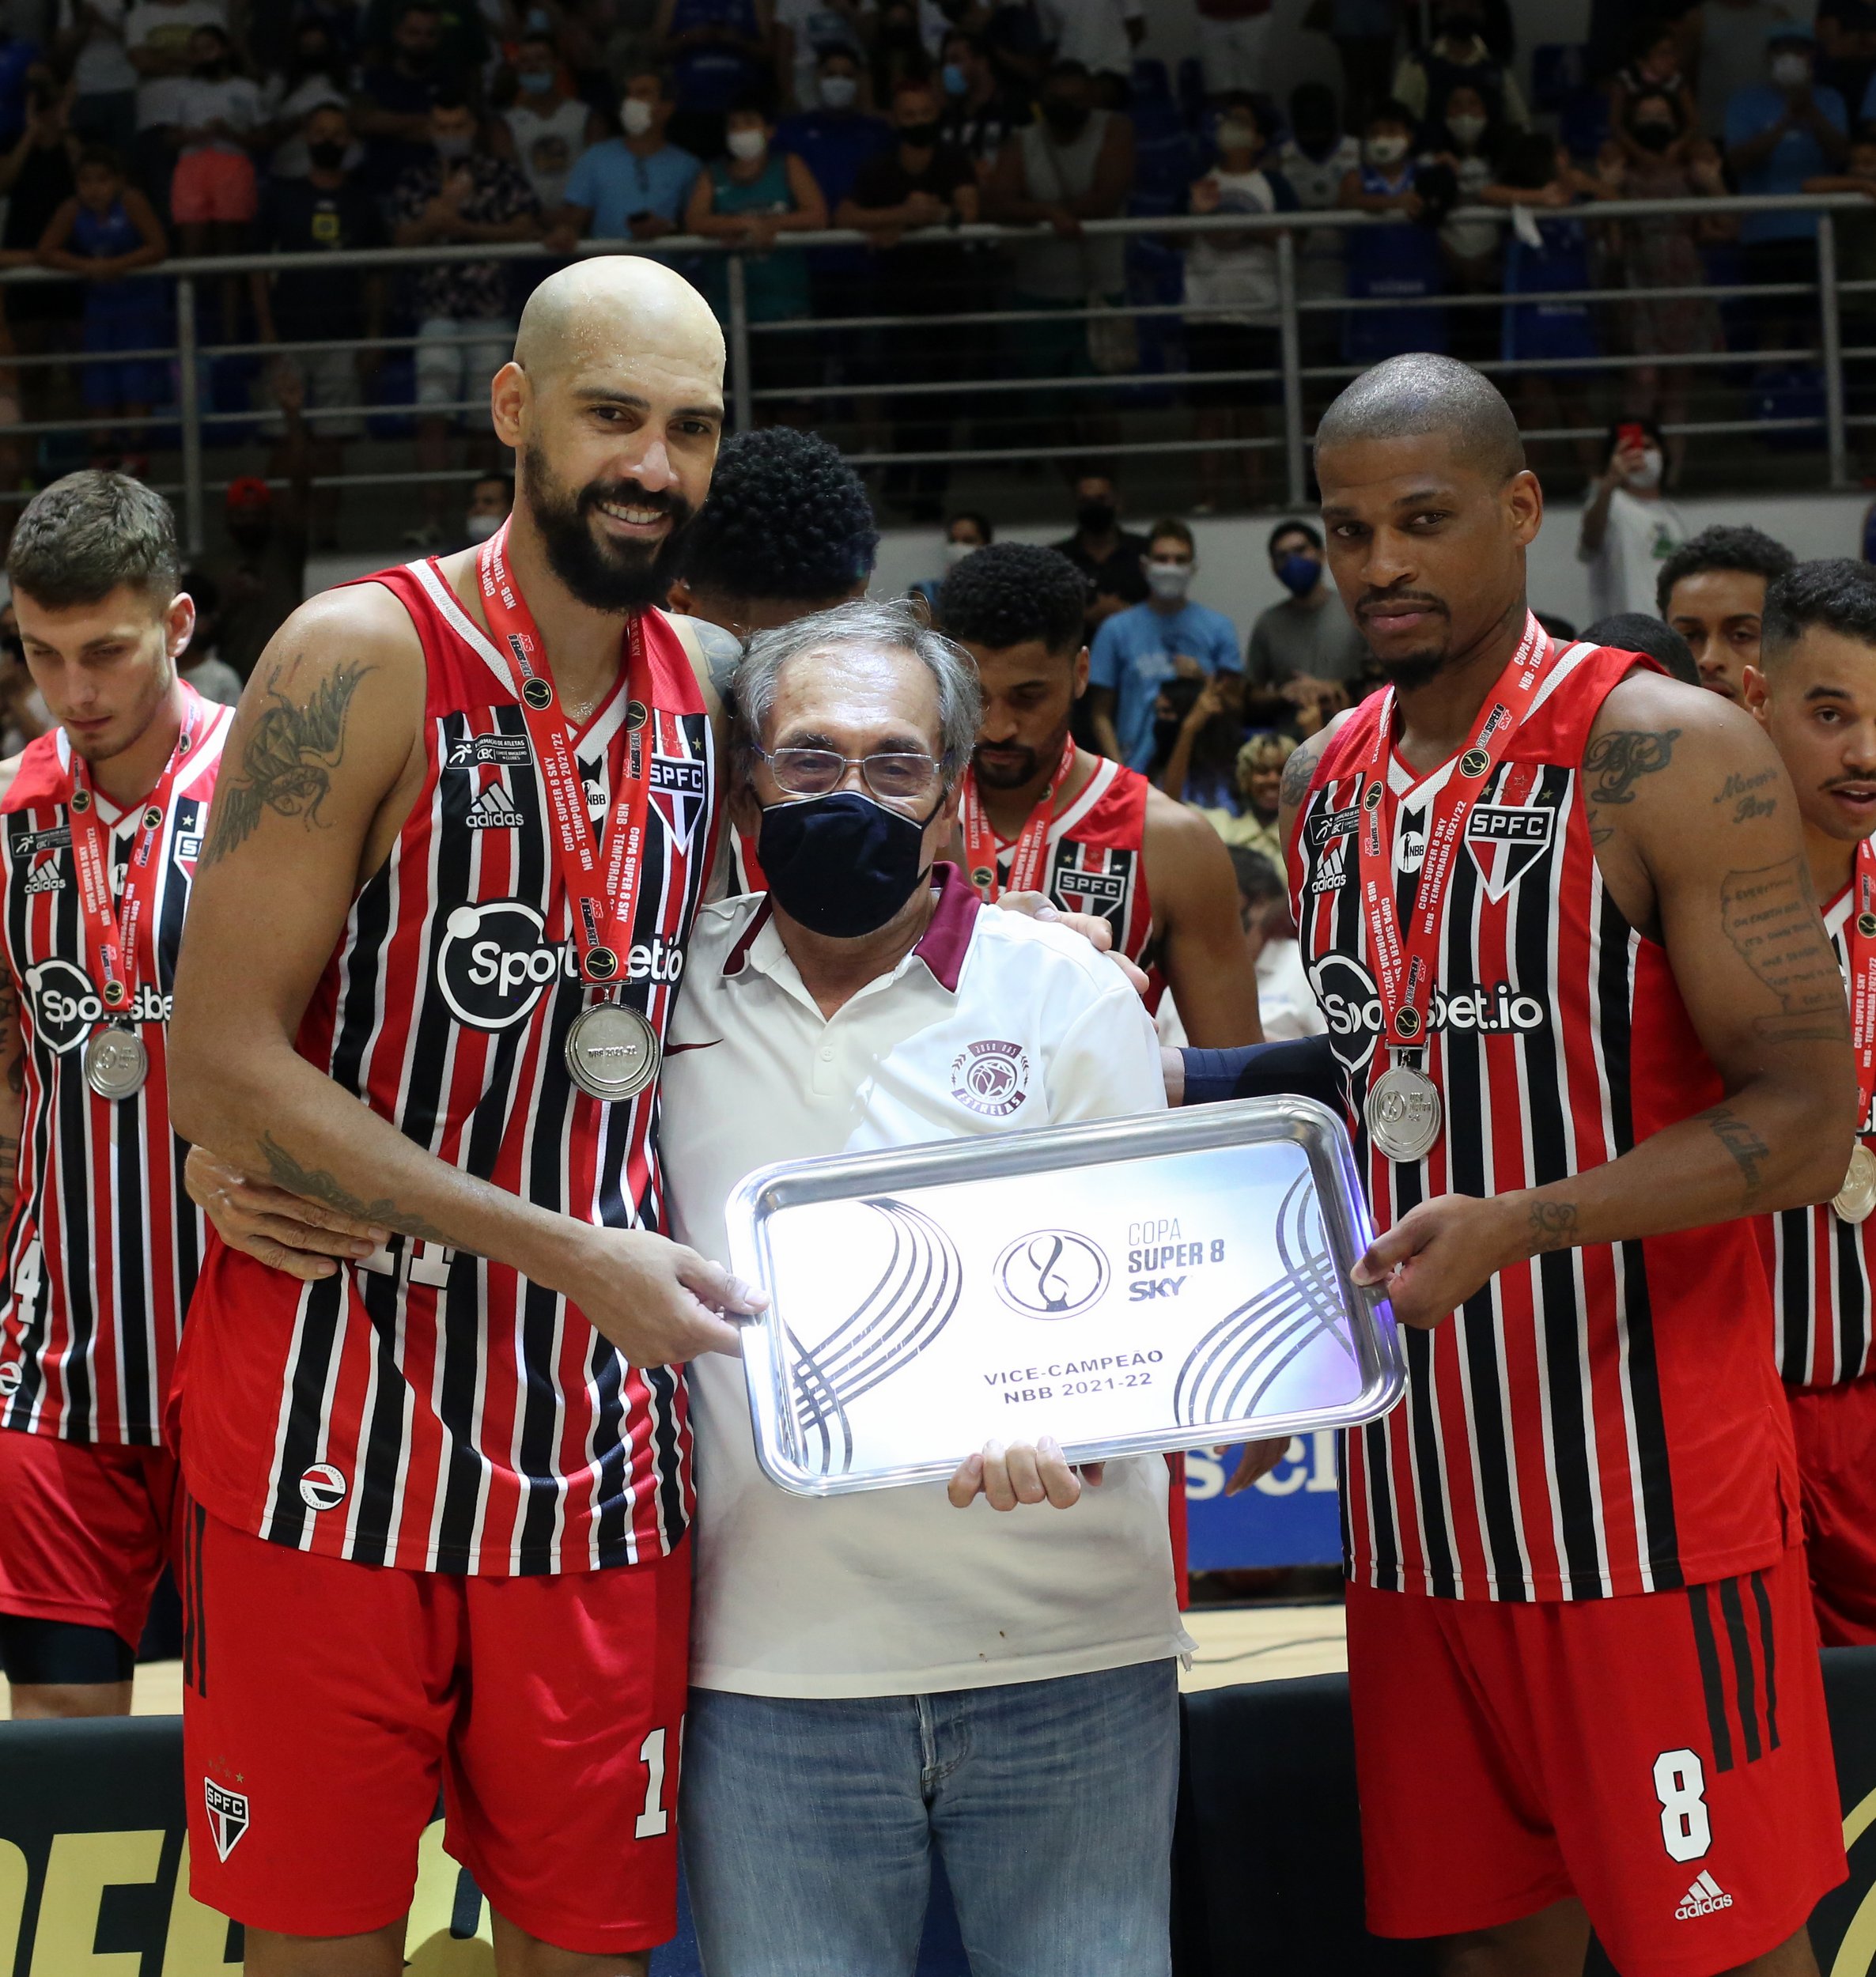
(1591, 1021)
(439, 1492)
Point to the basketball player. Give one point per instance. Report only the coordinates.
(1591, 1019)
(1814, 690)
(439, 1499)
(1037, 813)
(101, 823)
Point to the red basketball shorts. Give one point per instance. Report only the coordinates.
(1834, 1428)
(84, 1529)
(325, 1702)
(1664, 1758)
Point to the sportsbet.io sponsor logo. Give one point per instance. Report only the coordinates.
(66, 1007)
(1351, 1006)
(495, 962)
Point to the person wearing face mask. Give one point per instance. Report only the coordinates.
(921, 184)
(1232, 278)
(1397, 261)
(718, 50)
(392, 110)
(1458, 56)
(1653, 70)
(751, 199)
(491, 501)
(1074, 163)
(832, 1641)
(1778, 133)
(965, 534)
(465, 326)
(1113, 559)
(218, 115)
(325, 212)
(550, 128)
(1135, 651)
(314, 73)
(1305, 648)
(978, 115)
(1316, 157)
(1628, 530)
(633, 186)
(803, 30)
(1662, 158)
(1466, 141)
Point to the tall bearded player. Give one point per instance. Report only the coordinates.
(101, 823)
(1815, 689)
(1037, 814)
(1590, 1019)
(439, 1497)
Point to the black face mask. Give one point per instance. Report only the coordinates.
(1065, 119)
(841, 864)
(1096, 518)
(212, 71)
(921, 135)
(1652, 137)
(326, 158)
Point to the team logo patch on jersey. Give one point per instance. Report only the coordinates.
(188, 848)
(492, 811)
(66, 1007)
(29, 843)
(495, 962)
(678, 789)
(1333, 823)
(48, 876)
(321, 1489)
(1106, 892)
(11, 1375)
(473, 751)
(1053, 1274)
(1410, 849)
(1506, 840)
(992, 1078)
(227, 1815)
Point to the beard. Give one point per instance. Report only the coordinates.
(1412, 670)
(1022, 766)
(604, 576)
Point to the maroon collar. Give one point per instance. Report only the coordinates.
(942, 946)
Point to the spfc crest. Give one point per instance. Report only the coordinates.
(678, 789)
(1506, 840)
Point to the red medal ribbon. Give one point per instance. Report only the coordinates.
(1032, 843)
(602, 885)
(1860, 938)
(111, 931)
(1405, 966)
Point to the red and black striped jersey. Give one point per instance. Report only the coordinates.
(1097, 860)
(1821, 1266)
(104, 1245)
(429, 1409)
(1605, 1420)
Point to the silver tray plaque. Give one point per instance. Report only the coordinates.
(1127, 1286)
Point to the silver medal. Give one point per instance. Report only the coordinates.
(116, 1064)
(1856, 1199)
(611, 1051)
(1404, 1113)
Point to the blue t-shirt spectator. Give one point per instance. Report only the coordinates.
(613, 182)
(17, 57)
(1798, 156)
(833, 145)
(1134, 656)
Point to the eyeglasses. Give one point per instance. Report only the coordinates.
(893, 777)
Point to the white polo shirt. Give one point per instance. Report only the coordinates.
(893, 1592)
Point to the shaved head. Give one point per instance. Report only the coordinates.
(613, 404)
(1420, 395)
(610, 305)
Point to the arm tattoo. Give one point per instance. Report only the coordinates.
(1617, 761)
(1743, 1143)
(287, 761)
(1297, 772)
(1553, 1224)
(1771, 921)
(315, 1183)
(1737, 790)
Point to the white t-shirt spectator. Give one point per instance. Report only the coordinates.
(546, 148)
(892, 1592)
(235, 101)
(1093, 33)
(1239, 272)
(165, 26)
(102, 69)
(1638, 537)
(1321, 273)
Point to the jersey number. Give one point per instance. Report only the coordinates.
(1681, 1785)
(654, 1822)
(27, 1282)
(429, 1262)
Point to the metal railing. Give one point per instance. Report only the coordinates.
(960, 398)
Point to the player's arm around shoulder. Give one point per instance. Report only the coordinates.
(328, 729)
(1696, 829)
(1194, 894)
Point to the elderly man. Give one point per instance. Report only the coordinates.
(879, 1673)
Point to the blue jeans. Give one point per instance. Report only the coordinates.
(808, 1827)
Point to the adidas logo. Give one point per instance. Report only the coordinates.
(50, 877)
(492, 811)
(1705, 1898)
